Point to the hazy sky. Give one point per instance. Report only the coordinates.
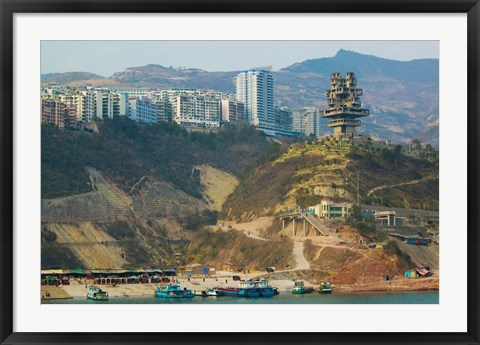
(108, 57)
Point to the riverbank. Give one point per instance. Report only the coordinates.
(77, 289)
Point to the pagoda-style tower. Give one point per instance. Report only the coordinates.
(344, 106)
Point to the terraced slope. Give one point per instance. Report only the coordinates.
(153, 199)
(307, 172)
(91, 245)
(149, 198)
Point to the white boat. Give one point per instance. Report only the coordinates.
(96, 293)
(211, 292)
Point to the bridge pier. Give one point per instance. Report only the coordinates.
(283, 223)
(294, 232)
(304, 228)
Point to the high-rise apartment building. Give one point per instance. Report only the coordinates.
(126, 93)
(306, 121)
(233, 111)
(149, 110)
(53, 113)
(99, 104)
(198, 109)
(60, 114)
(283, 120)
(254, 88)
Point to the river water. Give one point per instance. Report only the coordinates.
(282, 298)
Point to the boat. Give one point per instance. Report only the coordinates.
(255, 288)
(248, 288)
(96, 293)
(211, 292)
(228, 291)
(300, 289)
(173, 291)
(325, 287)
(200, 293)
(205, 293)
(265, 289)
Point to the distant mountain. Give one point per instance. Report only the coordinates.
(68, 77)
(163, 77)
(402, 95)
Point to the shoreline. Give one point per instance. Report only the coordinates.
(75, 290)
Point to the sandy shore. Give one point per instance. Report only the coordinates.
(76, 290)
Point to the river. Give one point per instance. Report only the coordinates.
(282, 298)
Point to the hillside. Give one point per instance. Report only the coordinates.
(402, 95)
(68, 77)
(126, 151)
(100, 245)
(131, 195)
(306, 172)
(235, 248)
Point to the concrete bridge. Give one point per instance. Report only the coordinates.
(306, 220)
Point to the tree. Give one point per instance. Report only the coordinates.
(416, 144)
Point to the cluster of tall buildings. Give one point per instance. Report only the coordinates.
(252, 103)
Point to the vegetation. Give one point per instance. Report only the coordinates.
(58, 256)
(308, 171)
(218, 248)
(196, 221)
(392, 248)
(126, 151)
(120, 230)
(328, 259)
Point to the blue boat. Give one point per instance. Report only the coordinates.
(255, 288)
(173, 291)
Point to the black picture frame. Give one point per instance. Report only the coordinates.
(10, 7)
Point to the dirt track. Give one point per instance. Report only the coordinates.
(302, 263)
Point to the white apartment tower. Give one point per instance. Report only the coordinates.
(254, 88)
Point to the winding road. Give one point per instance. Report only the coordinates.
(302, 263)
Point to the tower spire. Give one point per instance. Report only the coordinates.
(343, 104)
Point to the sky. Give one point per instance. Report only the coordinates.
(107, 57)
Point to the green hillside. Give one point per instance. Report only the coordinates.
(126, 151)
(308, 171)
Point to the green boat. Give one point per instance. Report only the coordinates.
(325, 287)
(300, 289)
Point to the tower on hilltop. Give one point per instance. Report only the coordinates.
(343, 104)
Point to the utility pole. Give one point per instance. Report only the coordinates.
(358, 188)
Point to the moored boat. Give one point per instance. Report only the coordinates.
(96, 293)
(300, 289)
(228, 291)
(173, 291)
(265, 289)
(255, 288)
(211, 292)
(325, 287)
(200, 293)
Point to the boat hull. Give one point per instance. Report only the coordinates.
(302, 291)
(228, 293)
(166, 295)
(248, 293)
(267, 292)
(98, 298)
